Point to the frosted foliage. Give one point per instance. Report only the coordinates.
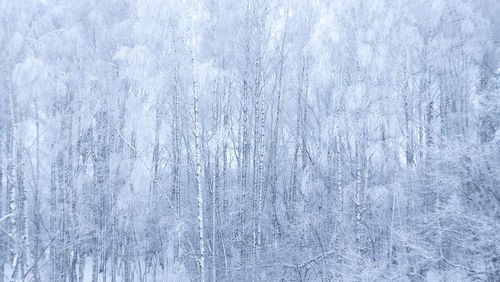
(29, 77)
(152, 140)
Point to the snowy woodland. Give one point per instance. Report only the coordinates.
(252, 140)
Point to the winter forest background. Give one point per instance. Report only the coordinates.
(280, 140)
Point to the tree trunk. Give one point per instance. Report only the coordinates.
(340, 193)
(199, 190)
(36, 199)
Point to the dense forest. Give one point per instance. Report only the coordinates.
(255, 140)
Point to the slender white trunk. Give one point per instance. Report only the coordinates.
(14, 193)
(177, 160)
(223, 219)
(244, 178)
(261, 178)
(340, 198)
(215, 178)
(363, 203)
(274, 146)
(198, 172)
(214, 229)
(358, 198)
(391, 238)
(36, 199)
